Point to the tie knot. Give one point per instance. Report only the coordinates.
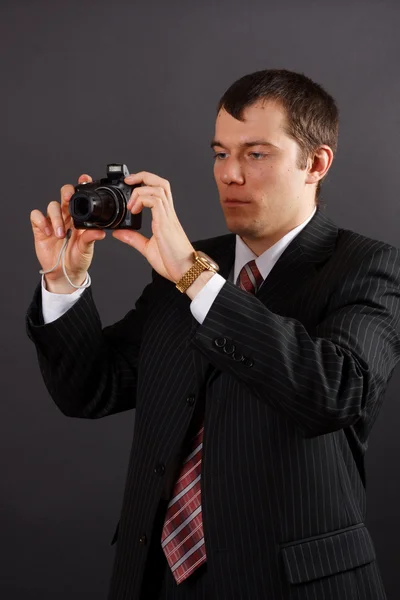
(250, 278)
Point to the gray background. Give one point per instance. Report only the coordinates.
(86, 83)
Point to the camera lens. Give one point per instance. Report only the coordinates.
(82, 206)
(103, 207)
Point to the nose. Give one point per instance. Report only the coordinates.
(231, 172)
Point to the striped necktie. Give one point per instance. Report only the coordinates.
(250, 278)
(182, 538)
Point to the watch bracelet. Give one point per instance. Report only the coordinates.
(190, 276)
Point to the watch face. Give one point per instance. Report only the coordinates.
(207, 260)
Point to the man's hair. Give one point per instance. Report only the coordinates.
(312, 117)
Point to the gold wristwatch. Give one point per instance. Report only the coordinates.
(202, 262)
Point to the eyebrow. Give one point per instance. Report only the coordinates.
(246, 144)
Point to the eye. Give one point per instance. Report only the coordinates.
(257, 155)
(219, 155)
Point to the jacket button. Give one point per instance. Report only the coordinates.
(248, 362)
(159, 469)
(229, 348)
(190, 400)
(237, 356)
(143, 539)
(220, 342)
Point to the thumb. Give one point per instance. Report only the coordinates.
(132, 238)
(90, 236)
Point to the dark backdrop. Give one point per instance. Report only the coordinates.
(86, 83)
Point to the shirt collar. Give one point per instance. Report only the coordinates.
(266, 261)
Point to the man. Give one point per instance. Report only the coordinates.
(255, 387)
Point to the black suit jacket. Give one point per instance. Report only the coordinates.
(290, 381)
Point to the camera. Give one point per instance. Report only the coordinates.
(102, 204)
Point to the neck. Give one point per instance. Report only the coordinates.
(260, 244)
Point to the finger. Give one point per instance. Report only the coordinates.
(40, 223)
(150, 179)
(66, 193)
(132, 238)
(56, 218)
(68, 190)
(146, 191)
(84, 179)
(158, 208)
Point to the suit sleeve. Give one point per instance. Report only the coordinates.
(89, 371)
(325, 381)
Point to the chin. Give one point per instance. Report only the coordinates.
(240, 223)
(240, 229)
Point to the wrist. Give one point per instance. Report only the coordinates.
(61, 285)
(199, 283)
(198, 275)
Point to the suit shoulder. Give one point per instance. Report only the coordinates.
(357, 245)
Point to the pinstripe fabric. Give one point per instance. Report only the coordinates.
(291, 390)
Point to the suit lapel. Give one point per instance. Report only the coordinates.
(298, 264)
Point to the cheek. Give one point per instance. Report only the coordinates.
(217, 166)
(280, 176)
(265, 178)
(271, 186)
(217, 175)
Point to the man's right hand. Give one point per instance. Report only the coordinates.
(49, 232)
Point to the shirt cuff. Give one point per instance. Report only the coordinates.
(55, 305)
(203, 301)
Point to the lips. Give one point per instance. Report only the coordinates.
(235, 201)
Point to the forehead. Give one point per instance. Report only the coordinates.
(264, 119)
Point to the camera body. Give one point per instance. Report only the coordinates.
(102, 204)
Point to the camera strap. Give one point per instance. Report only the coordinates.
(61, 257)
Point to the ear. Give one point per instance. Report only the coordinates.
(319, 164)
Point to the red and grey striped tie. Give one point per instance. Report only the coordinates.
(250, 278)
(182, 537)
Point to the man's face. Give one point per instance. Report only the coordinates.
(256, 166)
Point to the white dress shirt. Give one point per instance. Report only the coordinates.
(55, 305)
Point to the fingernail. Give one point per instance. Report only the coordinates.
(60, 232)
(47, 231)
(130, 177)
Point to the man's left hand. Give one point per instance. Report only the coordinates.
(169, 250)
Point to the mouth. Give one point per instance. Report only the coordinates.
(234, 202)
